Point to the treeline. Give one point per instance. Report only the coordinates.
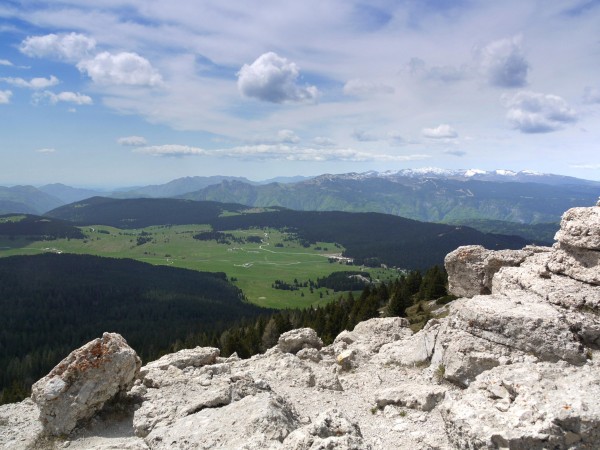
(372, 238)
(402, 297)
(345, 281)
(52, 304)
(226, 238)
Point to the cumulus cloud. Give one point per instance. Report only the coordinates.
(532, 112)
(274, 79)
(359, 88)
(132, 141)
(443, 131)
(5, 62)
(591, 95)
(503, 64)
(171, 150)
(67, 97)
(34, 83)
(68, 47)
(5, 97)
(121, 68)
(46, 150)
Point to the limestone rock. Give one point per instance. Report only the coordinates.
(521, 322)
(347, 359)
(296, 340)
(255, 422)
(82, 382)
(415, 350)
(534, 278)
(579, 264)
(580, 227)
(471, 268)
(196, 357)
(411, 395)
(527, 406)
(369, 336)
(19, 425)
(331, 430)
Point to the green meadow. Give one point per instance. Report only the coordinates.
(252, 266)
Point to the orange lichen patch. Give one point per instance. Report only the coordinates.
(91, 356)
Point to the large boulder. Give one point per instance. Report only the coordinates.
(527, 406)
(82, 382)
(471, 268)
(577, 263)
(255, 422)
(580, 227)
(419, 396)
(296, 340)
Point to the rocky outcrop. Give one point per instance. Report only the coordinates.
(82, 382)
(514, 365)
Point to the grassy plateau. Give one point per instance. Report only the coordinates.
(252, 266)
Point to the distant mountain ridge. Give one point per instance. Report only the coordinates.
(431, 195)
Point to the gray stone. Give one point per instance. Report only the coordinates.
(579, 264)
(330, 430)
(255, 422)
(411, 395)
(580, 227)
(193, 357)
(82, 382)
(20, 427)
(296, 340)
(471, 268)
(526, 406)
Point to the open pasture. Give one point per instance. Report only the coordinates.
(253, 259)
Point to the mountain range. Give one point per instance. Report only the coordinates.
(463, 197)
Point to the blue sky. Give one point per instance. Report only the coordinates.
(127, 92)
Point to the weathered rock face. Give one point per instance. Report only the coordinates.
(82, 382)
(295, 340)
(516, 369)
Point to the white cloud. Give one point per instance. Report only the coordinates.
(288, 137)
(122, 68)
(358, 87)
(132, 141)
(323, 141)
(171, 150)
(591, 95)
(443, 131)
(586, 166)
(503, 64)
(34, 83)
(68, 47)
(5, 62)
(280, 152)
(67, 97)
(274, 79)
(5, 97)
(532, 112)
(46, 150)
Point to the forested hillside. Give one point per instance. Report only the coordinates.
(370, 238)
(53, 303)
(37, 227)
